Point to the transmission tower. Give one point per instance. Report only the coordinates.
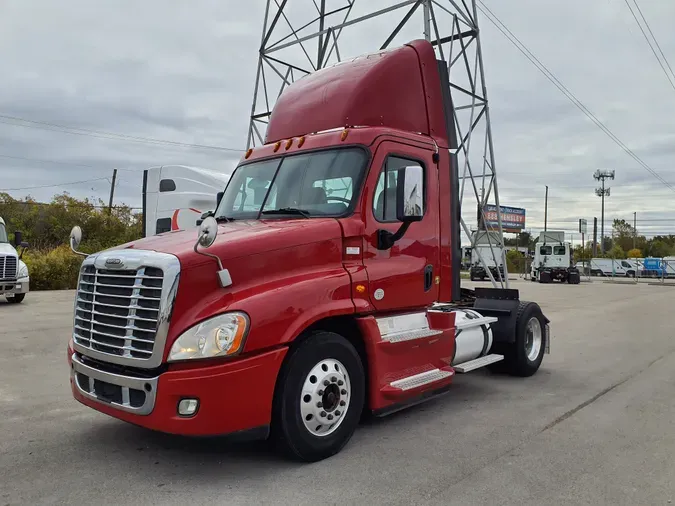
(601, 175)
(303, 36)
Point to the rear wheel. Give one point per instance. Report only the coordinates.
(524, 356)
(16, 298)
(544, 277)
(319, 398)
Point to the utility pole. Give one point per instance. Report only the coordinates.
(546, 209)
(601, 175)
(112, 191)
(634, 229)
(595, 237)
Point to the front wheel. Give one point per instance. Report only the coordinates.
(319, 398)
(17, 298)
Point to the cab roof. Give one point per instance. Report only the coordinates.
(398, 88)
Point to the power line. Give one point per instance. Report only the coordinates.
(649, 42)
(53, 127)
(563, 89)
(52, 185)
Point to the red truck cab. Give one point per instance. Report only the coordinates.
(325, 285)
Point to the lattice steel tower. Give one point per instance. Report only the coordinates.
(302, 36)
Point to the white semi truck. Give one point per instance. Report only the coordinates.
(486, 247)
(176, 196)
(553, 259)
(14, 279)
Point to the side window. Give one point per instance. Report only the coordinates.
(559, 250)
(625, 264)
(167, 185)
(163, 225)
(545, 250)
(386, 194)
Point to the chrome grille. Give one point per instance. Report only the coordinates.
(8, 267)
(117, 311)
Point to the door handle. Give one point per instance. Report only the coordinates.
(428, 277)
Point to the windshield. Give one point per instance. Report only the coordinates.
(323, 183)
(3, 234)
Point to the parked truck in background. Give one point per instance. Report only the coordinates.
(326, 285)
(175, 197)
(486, 253)
(14, 279)
(553, 259)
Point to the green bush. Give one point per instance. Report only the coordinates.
(56, 269)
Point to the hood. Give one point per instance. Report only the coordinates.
(241, 238)
(7, 249)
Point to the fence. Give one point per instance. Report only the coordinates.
(651, 270)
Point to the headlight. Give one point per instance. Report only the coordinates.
(23, 270)
(220, 336)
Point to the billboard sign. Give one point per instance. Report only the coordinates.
(583, 226)
(513, 218)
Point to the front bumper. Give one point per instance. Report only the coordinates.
(11, 287)
(233, 396)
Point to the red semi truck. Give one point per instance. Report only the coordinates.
(324, 287)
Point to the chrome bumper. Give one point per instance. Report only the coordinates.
(11, 286)
(123, 391)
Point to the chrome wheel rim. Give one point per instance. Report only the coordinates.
(533, 338)
(325, 397)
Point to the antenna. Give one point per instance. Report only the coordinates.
(309, 35)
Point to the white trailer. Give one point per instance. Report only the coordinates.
(14, 279)
(176, 196)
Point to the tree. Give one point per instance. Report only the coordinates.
(616, 252)
(634, 253)
(624, 234)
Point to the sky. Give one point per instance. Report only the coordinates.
(184, 72)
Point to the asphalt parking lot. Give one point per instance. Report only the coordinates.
(594, 426)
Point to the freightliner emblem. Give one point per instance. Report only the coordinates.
(113, 262)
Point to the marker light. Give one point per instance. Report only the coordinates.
(277, 145)
(289, 143)
(301, 141)
(220, 336)
(249, 152)
(344, 135)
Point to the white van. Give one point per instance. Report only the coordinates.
(611, 267)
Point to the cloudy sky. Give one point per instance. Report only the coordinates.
(185, 71)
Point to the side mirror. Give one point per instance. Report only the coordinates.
(206, 236)
(75, 240)
(18, 239)
(410, 194)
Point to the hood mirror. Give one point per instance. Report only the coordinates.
(75, 240)
(206, 236)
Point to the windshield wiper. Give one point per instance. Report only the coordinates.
(288, 210)
(225, 219)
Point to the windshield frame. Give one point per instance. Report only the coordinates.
(349, 211)
(3, 234)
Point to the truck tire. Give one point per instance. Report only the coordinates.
(17, 298)
(574, 278)
(544, 277)
(319, 397)
(523, 357)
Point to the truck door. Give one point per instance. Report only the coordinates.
(403, 276)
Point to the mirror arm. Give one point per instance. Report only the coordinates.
(210, 255)
(386, 239)
(76, 252)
